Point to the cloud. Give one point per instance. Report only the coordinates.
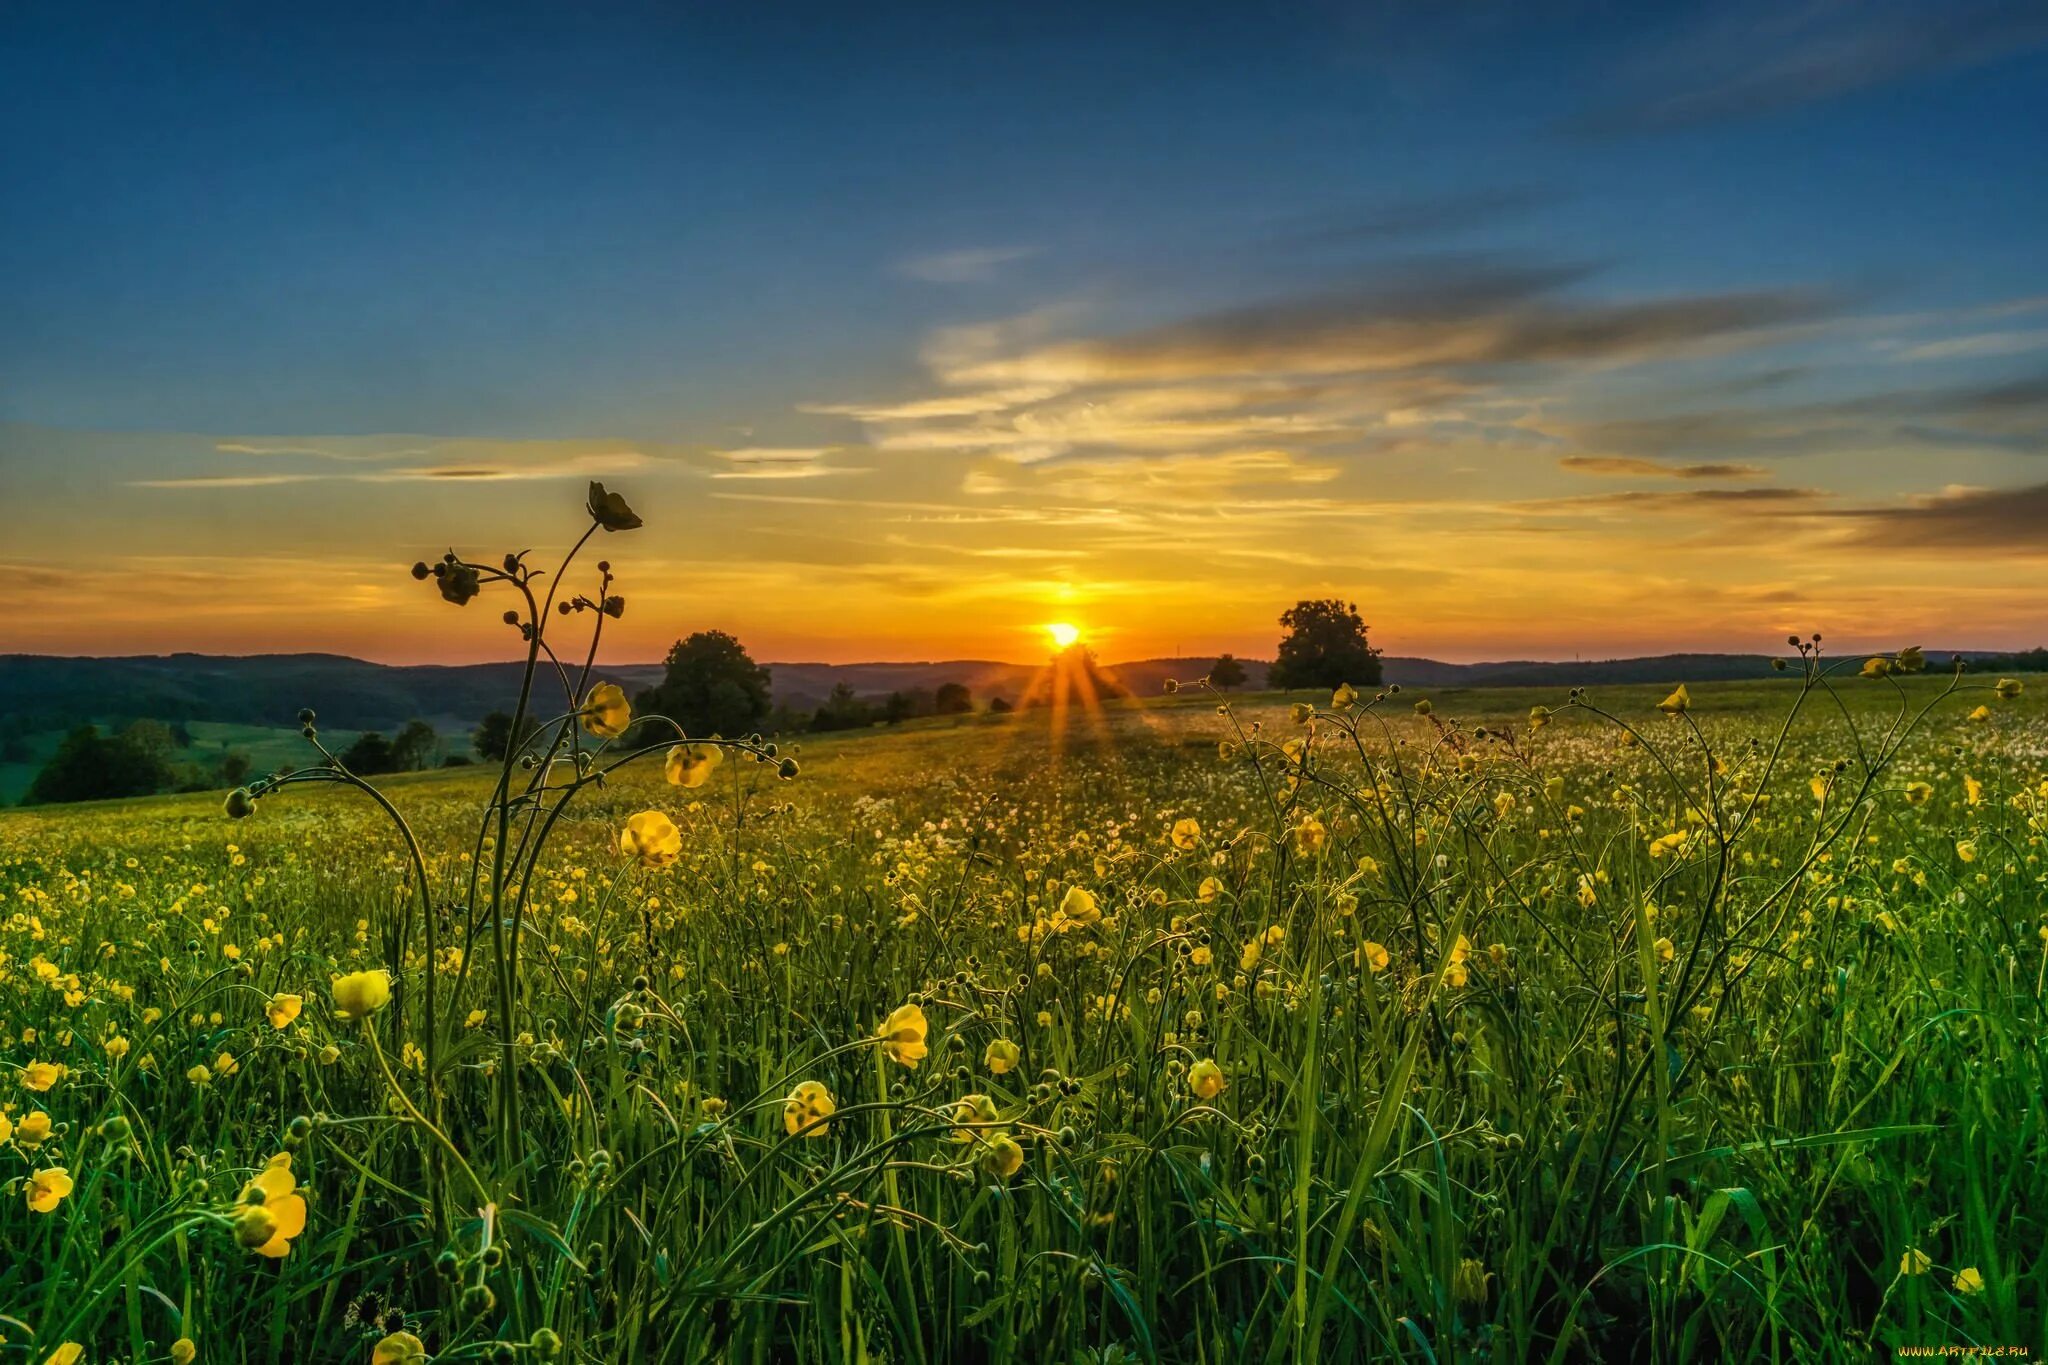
(1971, 347)
(330, 447)
(227, 481)
(781, 462)
(1620, 466)
(1966, 520)
(1429, 216)
(1759, 58)
(487, 461)
(968, 265)
(1478, 315)
(1690, 499)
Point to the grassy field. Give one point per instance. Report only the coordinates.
(1422, 1032)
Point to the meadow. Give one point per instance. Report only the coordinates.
(1644, 1024)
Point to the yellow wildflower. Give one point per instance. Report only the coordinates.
(272, 1211)
(47, 1188)
(691, 765)
(360, 994)
(606, 713)
(807, 1109)
(903, 1035)
(652, 838)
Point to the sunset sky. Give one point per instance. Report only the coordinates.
(1536, 330)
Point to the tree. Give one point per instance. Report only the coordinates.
(1000, 706)
(13, 740)
(711, 687)
(369, 756)
(416, 747)
(152, 738)
(89, 766)
(1226, 672)
(492, 739)
(233, 768)
(843, 710)
(1325, 646)
(952, 699)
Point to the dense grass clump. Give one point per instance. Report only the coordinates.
(1651, 1026)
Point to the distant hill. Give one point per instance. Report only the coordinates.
(47, 692)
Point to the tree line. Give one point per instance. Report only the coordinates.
(710, 685)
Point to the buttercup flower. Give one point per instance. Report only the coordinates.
(272, 1210)
(184, 1351)
(652, 838)
(47, 1188)
(610, 511)
(1186, 834)
(1078, 905)
(1915, 1262)
(283, 1009)
(806, 1110)
(1344, 696)
(40, 1076)
(691, 765)
(903, 1034)
(1374, 955)
(1918, 793)
(1002, 1157)
(32, 1131)
(2008, 688)
(67, 1354)
(361, 993)
(1001, 1057)
(606, 713)
(972, 1109)
(1969, 1281)
(1877, 668)
(400, 1348)
(1678, 703)
(1205, 1079)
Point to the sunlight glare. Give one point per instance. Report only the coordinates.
(1063, 635)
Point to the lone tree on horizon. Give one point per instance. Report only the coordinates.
(1226, 672)
(1325, 646)
(712, 687)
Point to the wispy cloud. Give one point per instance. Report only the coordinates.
(965, 265)
(331, 447)
(1973, 347)
(1757, 58)
(1960, 520)
(488, 462)
(205, 481)
(1629, 466)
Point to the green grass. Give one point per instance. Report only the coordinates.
(1674, 1103)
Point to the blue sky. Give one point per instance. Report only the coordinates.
(1407, 273)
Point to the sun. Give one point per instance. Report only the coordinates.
(1063, 635)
